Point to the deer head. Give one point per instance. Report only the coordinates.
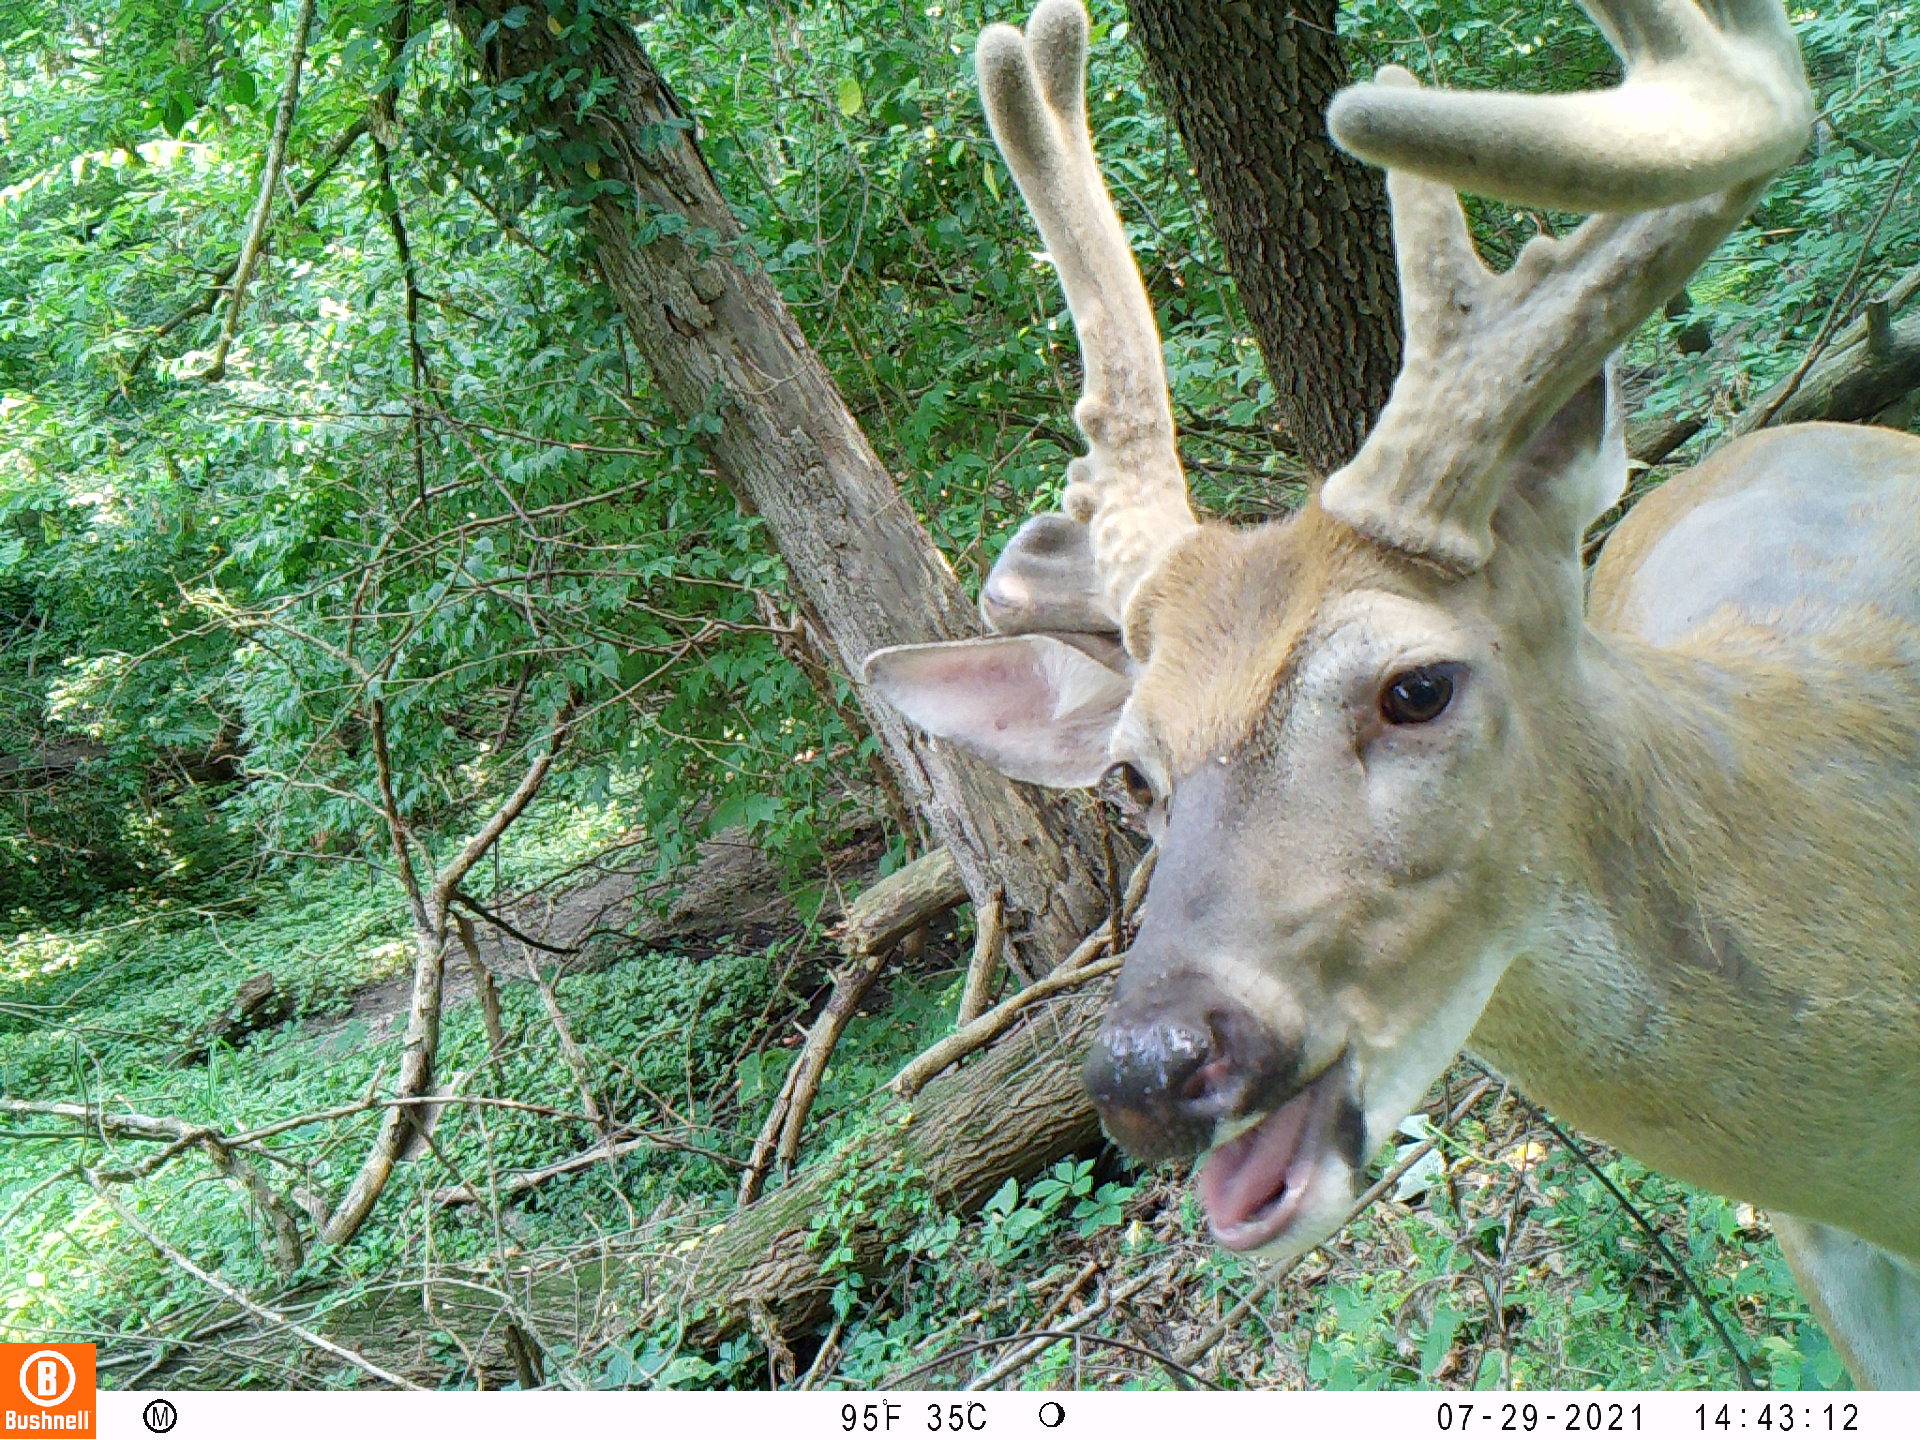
(1358, 732)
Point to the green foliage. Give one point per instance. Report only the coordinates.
(104, 1014)
(436, 500)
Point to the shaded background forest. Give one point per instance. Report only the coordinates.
(373, 598)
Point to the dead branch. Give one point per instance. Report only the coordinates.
(433, 918)
(1651, 1231)
(1072, 971)
(876, 922)
(983, 970)
(257, 1003)
(576, 1062)
(1035, 1343)
(504, 927)
(263, 204)
(902, 902)
(176, 1138)
(485, 988)
(518, 1182)
(237, 1297)
(455, 872)
(990, 1026)
(1652, 439)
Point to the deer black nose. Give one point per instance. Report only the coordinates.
(1171, 1062)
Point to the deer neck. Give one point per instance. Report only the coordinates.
(1715, 933)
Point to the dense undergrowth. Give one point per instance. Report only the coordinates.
(1504, 1264)
(203, 588)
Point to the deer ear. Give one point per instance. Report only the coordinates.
(1575, 469)
(1033, 706)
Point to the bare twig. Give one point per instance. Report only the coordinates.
(1654, 1238)
(205, 302)
(460, 897)
(46, 1183)
(982, 1032)
(1035, 1343)
(450, 878)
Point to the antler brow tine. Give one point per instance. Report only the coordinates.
(1129, 487)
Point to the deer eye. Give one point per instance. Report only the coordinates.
(1139, 790)
(1416, 696)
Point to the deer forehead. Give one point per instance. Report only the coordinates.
(1235, 659)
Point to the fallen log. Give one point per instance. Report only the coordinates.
(256, 1004)
(1871, 366)
(1854, 383)
(1010, 1113)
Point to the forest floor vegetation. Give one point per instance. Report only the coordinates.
(1493, 1258)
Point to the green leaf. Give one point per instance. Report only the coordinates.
(850, 97)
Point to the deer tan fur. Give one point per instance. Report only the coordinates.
(1650, 846)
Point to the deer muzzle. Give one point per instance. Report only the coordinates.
(1174, 1063)
(1180, 1067)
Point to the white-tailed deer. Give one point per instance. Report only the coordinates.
(1654, 854)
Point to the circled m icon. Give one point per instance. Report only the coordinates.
(47, 1377)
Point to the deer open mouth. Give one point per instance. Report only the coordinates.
(1253, 1186)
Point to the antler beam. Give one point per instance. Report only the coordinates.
(1129, 488)
(1714, 101)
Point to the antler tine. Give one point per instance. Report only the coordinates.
(1709, 101)
(1714, 101)
(1129, 488)
(1440, 271)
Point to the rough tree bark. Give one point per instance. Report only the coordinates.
(1303, 226)
(718, 339)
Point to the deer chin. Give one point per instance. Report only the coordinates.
(1271, 1184)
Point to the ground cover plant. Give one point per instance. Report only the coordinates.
(388, 561)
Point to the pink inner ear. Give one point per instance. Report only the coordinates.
(1034, 707)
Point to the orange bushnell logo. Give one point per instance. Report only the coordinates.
(46, 1390)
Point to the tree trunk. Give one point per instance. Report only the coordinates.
(721, 344)
(1303, 226)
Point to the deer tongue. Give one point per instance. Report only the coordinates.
(1249, 1173)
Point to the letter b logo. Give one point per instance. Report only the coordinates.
(46, 1388)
